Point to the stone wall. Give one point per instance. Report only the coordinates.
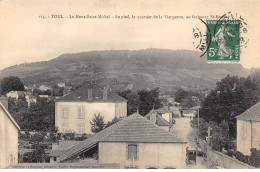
(217, 159)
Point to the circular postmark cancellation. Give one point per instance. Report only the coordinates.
(224, 39)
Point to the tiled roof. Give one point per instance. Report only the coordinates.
(159, 119)
(251, 114)
(81, 95)
(162, 110)
(134, 128)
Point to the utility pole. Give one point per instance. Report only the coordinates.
(209, 137)
(198, 119)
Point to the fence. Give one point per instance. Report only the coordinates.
(217, 159)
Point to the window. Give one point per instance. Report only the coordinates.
(81, 113)
(81, 128)
(65, 112)
(65, 127)
(132, 151)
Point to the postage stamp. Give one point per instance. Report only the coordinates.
(225, 41)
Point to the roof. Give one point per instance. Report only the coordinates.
(134, 128)
(162, 110)
(159, 119)
(62, 146)
(121, 87)
(9, 116)
(81, 95)
(251, 114)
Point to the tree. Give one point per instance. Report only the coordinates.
(185, 98)
(133, 101)
(219, 133)
(114, 120)
(149, 100)
(11, 83)
(18, 108)
(37, 91)
(38, 155)
(39, 144)
(231, 97)
(97, 123)
(40, 116)
(57, 91)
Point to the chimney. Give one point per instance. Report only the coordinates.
(153, 118)
(89, 94)
(4, 101)
(105, 93)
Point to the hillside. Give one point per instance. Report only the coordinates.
(143, 68)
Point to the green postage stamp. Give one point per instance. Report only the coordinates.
(224, 43)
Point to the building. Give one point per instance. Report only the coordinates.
(166, 114)
(15, 94)
(61, 84)
(155, 118)
(176, 111)
(74, 111)
(170, 99)
(8, 138)
(248, 129)
(44, 87)
(133, 142)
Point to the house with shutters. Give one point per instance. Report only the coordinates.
(73, 112)
(248, 129)
(8, 136)
(133, 142)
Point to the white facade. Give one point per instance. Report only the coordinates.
(167, 117)
(149, 155)
(30, 99)
(8, 139)
(14, 94)
(76, 116)
(61, 84)
(248, 136)
(44, 87)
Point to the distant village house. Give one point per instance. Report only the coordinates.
(15, 94)
(44, 87)
(155, 118)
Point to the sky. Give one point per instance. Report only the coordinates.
(25, 37)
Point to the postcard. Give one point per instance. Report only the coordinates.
(112, 84)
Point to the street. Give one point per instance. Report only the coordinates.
(183, 130)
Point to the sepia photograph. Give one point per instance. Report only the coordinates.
(113, 84)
